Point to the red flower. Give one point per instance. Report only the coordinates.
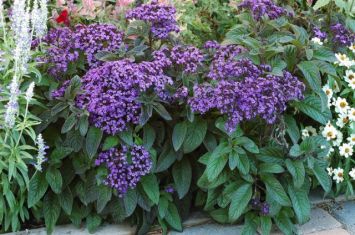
(63, 18)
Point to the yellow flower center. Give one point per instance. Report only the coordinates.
(327, 92)
(347, 150)
(351, 76)
(343, 57)
(340, 175)
(345, 120)
(329, 134)
(343, 104)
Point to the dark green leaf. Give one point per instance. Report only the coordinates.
(160, 109)
(275, 189)
(38, 186)
(300, 203)
(179, 134)
(130, 201)
(240, 200)
(148, 136)
(69, 123)
(270, 168)
(182, 174)
(93, 140)
(196, 132)
(51, 211)
(93, 222)
(110, 142)
(54, 179)
(322, 177)
(172, 217)
(311, 74)
(265, 225)
(66, 200)
(151, 187)
(292, 129)
(297, 171)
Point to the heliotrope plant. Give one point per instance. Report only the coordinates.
(144, 127)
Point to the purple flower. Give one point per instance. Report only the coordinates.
(161, 17)
(188, 57)
(126, 166)
(260, 8)
(258, 94)
(169, 189)
(319, 34)
(94, 38)
(65, 45)
(342, 35)
(264, 209)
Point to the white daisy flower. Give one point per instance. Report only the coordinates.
(352, 84)
(351, 139)
(338, 175)
(346, 150)
(342, 120)
(330, 171)
(329, 132)
(328, 91)
(339, 139)
(351, 114)
(316, 40)
(343, 60)
(349, 75)
(352, 173)
(308, 131)
(341, 105)
(352, 47)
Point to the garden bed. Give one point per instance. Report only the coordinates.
(143, 112)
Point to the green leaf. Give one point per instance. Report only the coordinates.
(311, 74)
(320, 4)
(270, 168)
(240, 201)
(38, 186)
(163, 206)
(51, 211)
(296, 169)
(284, 223)
(247, 143)
(166, 159)
(300, 203)
(104, 196)
(172, 217)
(54, 179)
(126, 136)
(148, 136)
(151, 187)
(275, 189)
(69, 123)
(160, 109)
(265, 225)
(292, 129)
(312, 107)
(322, 177)
(93, 222)
(217, 161)
(93, 140)
(179, 134)
(59, 153)
(243, 163)
(130, 201)
(182, 174)
(110, 142)
(196, 132)
(84, 124)
(66, 200)
(220, 215)
(324, 54)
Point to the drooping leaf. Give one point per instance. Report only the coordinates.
(240, 200)
(182, 174)
(93, 140)
(196, 132)
(37, 188)
(179, 134)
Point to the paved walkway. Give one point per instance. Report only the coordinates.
(327, 218)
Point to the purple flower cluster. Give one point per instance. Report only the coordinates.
(161, 17)
(319, 34)
(262, 95)
(125, 166)
(97, 37)
(263, 207)
(260, 8)
(225, 66)
(342, 35)
(61, 50)
(188, 57)
(65, 45)
(110, 92)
